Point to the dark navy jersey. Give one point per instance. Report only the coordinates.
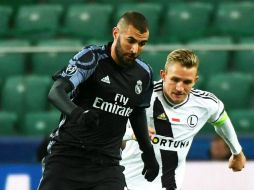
(112, 90)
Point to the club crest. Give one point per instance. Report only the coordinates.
(138, 87)
(71, 70)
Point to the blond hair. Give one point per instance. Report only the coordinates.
(187, 58)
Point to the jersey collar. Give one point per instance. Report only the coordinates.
(175, 106)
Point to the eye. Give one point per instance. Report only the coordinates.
(187, 82)
(131, 40)
(175, 79)
(142, 44)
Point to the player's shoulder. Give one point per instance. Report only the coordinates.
(89, 56)
(93, 51)
(157, 90)
(145, 66)
(202, 95)
(157, 87)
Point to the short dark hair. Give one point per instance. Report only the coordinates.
(136, 19)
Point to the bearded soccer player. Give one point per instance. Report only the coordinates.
(109, 86)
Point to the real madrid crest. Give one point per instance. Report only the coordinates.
(138, 87)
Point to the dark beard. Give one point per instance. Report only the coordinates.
(119, 54)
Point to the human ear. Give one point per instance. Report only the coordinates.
(115, 32)
(162, 74)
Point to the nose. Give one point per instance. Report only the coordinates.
(134, 48)
(179, 86)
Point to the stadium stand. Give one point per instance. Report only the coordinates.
(234, 89)
(35, 21)
(22, 94)
(164, 2)
(186, 21)
(8, 122)
(88, 21)
(213, 62)
(40, 123)
(156, 60)
(243, 121)
(36, 90)
(66, 3)
(243, 60)
(235, 19)
(12, 64)
(5, 12)
(116, 2)
(47, 63)
(12, 95)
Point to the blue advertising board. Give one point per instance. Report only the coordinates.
(20, 177)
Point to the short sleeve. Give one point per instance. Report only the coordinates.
(80, 67)
(216, 110)
(149, 90)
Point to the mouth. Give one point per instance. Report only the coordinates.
(130, 56)
(178, 95)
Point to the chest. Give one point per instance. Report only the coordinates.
(184, 121)
(124, 87)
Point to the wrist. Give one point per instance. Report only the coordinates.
(238, 155)
(149, 151)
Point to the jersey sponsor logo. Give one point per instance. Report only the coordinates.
(192, 121)
(70, 70)
(162, 116)
(138, 87)
(106, 79)
(168, 143)
(114, 108)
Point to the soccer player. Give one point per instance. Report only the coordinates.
(176, 114)
(109, 85)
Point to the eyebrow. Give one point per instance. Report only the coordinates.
(130, 37)
(185, 80)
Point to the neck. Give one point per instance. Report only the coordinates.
(167, 99)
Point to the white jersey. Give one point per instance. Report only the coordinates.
(175, 127)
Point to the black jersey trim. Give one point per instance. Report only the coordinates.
(205, 95)
(175, 106)
(181, 104)
(169, 158)
(157, 86)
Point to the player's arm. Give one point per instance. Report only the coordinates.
(226, 130)
(80, 67)
(58, 96)
(129, 134)
(139, 125)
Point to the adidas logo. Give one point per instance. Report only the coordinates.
(106, 79)
(162, 116)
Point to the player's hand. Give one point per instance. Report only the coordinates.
(85, 118)
(237, 162)
(151, 132)
(151, 166)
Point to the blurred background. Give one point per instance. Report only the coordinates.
(38, 37)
